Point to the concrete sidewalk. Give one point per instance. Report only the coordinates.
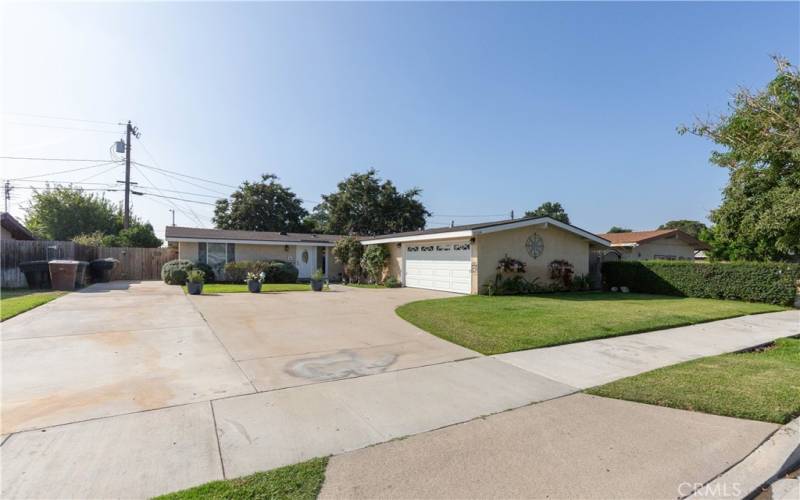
(597, 362)
(578, 446)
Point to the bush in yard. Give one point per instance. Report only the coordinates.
(769, 282)
(347, 251)
(278, 271)
(208, 273)
(392, 282)
(561, 272)
(237, 271)
(175, 272)
(373, 261)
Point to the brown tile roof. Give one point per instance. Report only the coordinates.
(639, 237)
(197, 233)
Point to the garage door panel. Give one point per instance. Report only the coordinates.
(439, 267)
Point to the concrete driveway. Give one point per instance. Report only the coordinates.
(296, 338)
(125, 347)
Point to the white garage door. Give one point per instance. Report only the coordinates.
(438, 266)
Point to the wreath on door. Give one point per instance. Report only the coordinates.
(305, 257)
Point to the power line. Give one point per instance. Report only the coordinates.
(186, 175)
(61, 118)
(193, 215)
(179, 199)
(61, 171)
(152, 157)
(98, 174)
(45, 159)
(170, 176)
(65, 128)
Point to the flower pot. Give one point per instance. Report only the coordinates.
(194, 288)
(254, 286)
(316, 285)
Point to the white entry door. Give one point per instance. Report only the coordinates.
(438, 266)
(305, 260)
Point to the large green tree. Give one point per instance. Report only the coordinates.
(65, 213)
(264, 205)
(550, 209)
(61, 213)
(691, 227)
(759, 139)
(366, 205)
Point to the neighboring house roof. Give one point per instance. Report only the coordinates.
(176, 233)
(635, 238)
(471, 230)
(15, 227)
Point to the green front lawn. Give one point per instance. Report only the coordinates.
(492, 325)
(210, 288)
(13, 302)
(365, 285)
(297, 482)
(759, 385)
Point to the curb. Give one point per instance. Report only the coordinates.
(772, 459)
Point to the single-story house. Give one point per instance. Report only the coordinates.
(216, 247)
(667, 244)
(463, 258)
(12, 229)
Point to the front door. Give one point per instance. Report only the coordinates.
(305, 259)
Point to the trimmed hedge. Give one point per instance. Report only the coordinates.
(769, 282)
(175, 272)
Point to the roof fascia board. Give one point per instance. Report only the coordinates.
(420, 237)
(251, 242)
(545, 221)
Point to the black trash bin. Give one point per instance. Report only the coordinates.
(100, 269)
(80, 274)
(37, 273)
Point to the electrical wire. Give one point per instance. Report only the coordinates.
(186, 175)
(61, 118)
(170, 176)
(60, 172)
(193, 215)
(99, 173)
(152, 157)
(65, 128)
(45, 159)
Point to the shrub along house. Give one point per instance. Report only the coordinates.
(661, 244)
(216, 247)
(464, 258)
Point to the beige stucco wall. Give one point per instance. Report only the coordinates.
(245, 251)
(395, 265)
(558, 244)
(662, 248)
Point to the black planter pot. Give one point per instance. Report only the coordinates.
(316, 285)
(194, 288)
(254, 286)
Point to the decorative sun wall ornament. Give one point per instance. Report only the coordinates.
(534, 245)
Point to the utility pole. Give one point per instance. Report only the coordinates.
(173, 215)
(129, 130)
(512, 214)
(7, 191)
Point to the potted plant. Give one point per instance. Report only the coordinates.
(316, 280)
(194, 281)
(254, 281)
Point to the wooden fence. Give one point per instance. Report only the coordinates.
(134, 263)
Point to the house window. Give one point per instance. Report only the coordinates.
(216, 256)
(201, 252)
(231, 252)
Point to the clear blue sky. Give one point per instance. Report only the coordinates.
(486, 107)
